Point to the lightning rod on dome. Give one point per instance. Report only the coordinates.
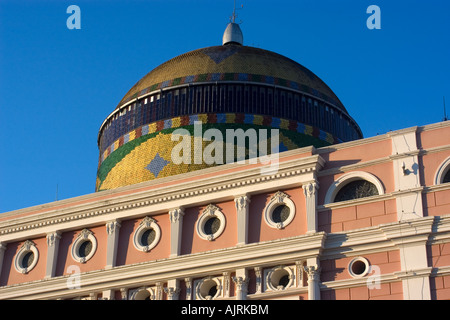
(234, 15)
(233, 33)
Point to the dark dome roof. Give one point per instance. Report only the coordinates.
(233, 62)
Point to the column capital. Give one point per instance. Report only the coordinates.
(313, 272)
(112, 226)
(124, 293)
(176, 214)
(52, 237)
(241, 201)
(241, 282)
(310, 188)
(172, 292)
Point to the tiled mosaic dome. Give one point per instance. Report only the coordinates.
(225, 87)
(232, 62)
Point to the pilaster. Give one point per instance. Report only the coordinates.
(241, 281)
(242, 208)
(310, 192)
(173, 289)
(112, 231)
(2, 253)
(176, 225)
(313, 270)
(52, 253)
(406, 174)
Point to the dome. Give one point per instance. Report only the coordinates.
(228, 62)
(227, 87)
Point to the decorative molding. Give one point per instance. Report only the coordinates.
(112, 242)
(226, 284)
(175, 215)
(311, 195)
(112, 227)
(176, 229)
(188, 283)
(203, 286)
(279, 198)
(185, 193)
(124, 293)
(328, 246)
(211, 211)
(27, 246)
(241, 202)
(147, 223)
(52, 238)
(273, 275)
(52, 253)
(242, 210)
(310, 189)
(241, 284)
(258, 274)
(85, 235)
(172, 293)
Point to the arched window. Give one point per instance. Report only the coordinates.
(355, 190)
(443, 172)
(354, 185)
(446, 177)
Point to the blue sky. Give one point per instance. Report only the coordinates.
(58, 85)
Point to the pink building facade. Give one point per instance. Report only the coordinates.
(230, 232)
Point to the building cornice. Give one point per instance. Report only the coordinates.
(161, 199)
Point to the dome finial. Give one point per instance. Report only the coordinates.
(233, 33)
(234, 15)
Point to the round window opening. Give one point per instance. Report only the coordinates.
(208, 289)
(211, 226)
(280, 279)
(359, 267)
(143, 295)
(148, 237)
(85, 249)
(27, 259)
(280, 213)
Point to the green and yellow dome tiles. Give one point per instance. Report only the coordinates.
(146, 153)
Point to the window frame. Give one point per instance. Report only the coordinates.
(147, 223)
(442, 171)
(342, 181)
(28, 246)
(85, 235)
(279, 198)
(209, 212)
